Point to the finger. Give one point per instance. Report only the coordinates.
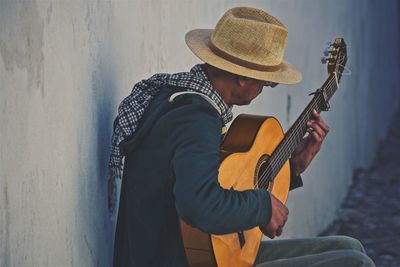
(284, 211)
(316, 115)
(287, 210)
(271, 235)
(315, 135)
(282, 214)
(285, 219)
(323, 125)
(317, 128)
(321, 121)
(304, 143)
(282, 220)
(279, 231)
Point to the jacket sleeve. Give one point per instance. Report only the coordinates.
(194, 140)
(295, 181)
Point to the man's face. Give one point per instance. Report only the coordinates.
(249, 90)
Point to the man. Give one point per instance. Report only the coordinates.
(169, 130)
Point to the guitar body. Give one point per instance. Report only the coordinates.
(249, 142)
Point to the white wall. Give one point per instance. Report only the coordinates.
(65, 66)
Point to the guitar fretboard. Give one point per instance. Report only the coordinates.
(297, 131)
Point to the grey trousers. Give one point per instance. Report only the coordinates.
(326, 251)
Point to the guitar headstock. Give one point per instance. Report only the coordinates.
(336, 56)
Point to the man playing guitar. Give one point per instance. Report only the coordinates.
(169, 131)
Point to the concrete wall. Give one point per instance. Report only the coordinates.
(65, 66)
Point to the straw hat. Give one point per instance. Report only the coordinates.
(248, 42)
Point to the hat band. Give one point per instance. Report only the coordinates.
(242, 62)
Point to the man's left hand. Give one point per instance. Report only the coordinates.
(310, 144)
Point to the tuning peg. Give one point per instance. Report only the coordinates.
(324, 60)
(326, 52)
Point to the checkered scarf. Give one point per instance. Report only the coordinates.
(133, 107)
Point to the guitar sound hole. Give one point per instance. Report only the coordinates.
(262, 177)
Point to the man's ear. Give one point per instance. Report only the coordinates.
(241, 80)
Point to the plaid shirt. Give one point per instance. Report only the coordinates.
(132, 108)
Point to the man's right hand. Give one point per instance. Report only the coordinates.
(278, 219)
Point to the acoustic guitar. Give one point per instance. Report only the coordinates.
(255, 154)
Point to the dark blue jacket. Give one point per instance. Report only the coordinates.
(171, 170)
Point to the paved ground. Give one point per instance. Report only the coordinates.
(371, 211)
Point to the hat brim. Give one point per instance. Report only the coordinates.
(198, 41)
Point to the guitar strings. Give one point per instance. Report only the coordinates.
(269, 174)
(280, 159)
(298, 134)
(283, 149)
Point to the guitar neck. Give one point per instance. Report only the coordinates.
(299, 128)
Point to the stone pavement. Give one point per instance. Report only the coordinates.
(371, 211)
